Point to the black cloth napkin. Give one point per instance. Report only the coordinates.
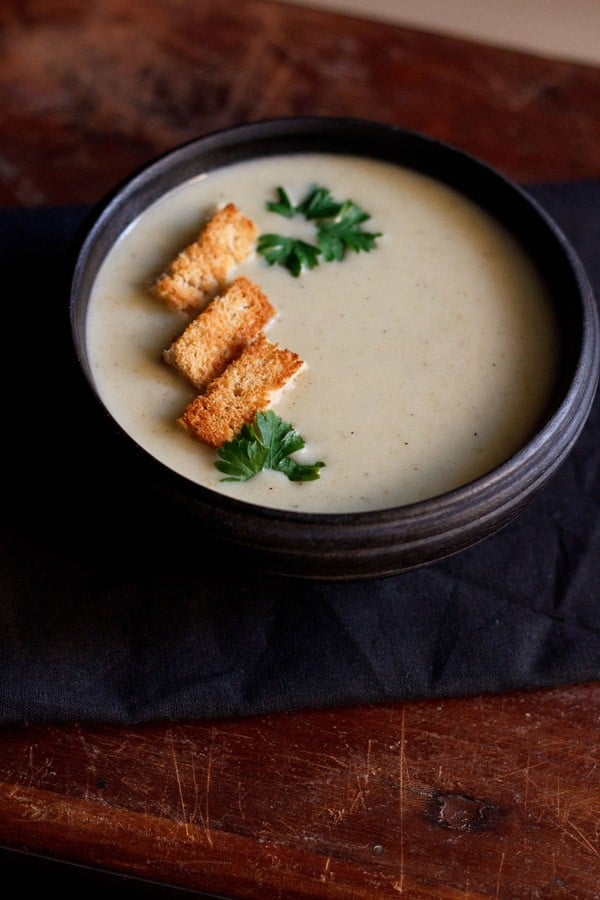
(112, 613)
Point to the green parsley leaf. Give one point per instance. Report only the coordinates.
(343, 232)
(242, 457)
(319, 204)
(284, 206)
(291, 253)
(265, 444)
(338, 230)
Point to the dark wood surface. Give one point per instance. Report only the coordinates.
(479, 797)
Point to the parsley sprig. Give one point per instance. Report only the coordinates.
(339, 229)
(319, 204)
(343, 232)
(293, 254)
(283, 206)
(266, 443)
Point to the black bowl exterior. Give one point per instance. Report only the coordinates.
(372, 544)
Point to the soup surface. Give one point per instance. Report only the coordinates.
(429, 360)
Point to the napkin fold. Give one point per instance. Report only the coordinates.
(110, 614)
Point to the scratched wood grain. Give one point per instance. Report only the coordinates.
(484, 797)
(90, 91)
(495, 797)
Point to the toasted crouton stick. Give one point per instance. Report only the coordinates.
(201, 269)
(247, 385)
(220, 332)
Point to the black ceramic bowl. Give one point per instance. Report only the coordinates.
(361, 545)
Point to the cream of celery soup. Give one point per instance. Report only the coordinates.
(430, 360)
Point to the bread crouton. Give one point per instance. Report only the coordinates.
(247, 385)
(201, 269)
(220, 332)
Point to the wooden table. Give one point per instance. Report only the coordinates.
(482, 797)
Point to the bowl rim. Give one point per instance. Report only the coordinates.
(497, 482)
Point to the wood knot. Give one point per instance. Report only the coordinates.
(461, 813)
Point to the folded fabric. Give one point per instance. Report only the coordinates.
(110, 613)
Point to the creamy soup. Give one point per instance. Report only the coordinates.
(429, 360)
